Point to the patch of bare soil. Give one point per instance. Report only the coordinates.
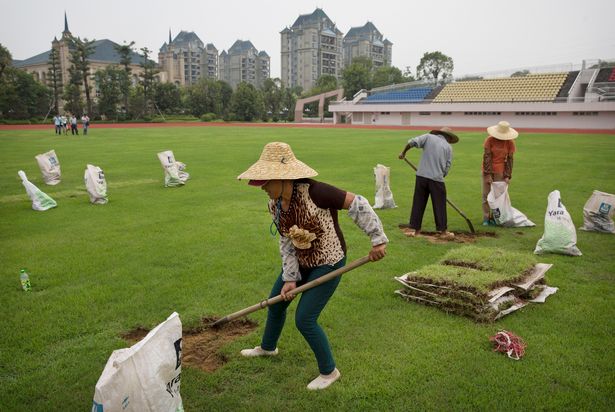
(460, 237)
(200, 345)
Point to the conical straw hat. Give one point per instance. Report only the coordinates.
(502, 131)
(278, 162)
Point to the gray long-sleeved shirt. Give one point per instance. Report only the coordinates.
(437, 156)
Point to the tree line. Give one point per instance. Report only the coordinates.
(120, 96)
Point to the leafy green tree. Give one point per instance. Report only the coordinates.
(125, 52)
(147, 78)
(247, 102)
(272, 98)
(289, 101)
(108, 82)
(435, 66)
(324, 83)
(73, 101)
(386, 75)
(82, 50)
(602, 64)
(72, 97)
(209, 96)
(167, 97)
(136, 101)
(470, 77)
(226, 96)
(22, 97)
(54, 77)
(199, 99)
(520, 73)
(5, 59)
(357, 76)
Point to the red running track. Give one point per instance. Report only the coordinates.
(289, 125)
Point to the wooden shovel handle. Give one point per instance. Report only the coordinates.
(276, 299)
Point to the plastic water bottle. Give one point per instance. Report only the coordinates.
(25, 280)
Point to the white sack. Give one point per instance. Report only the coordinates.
(96, 184)
(384, 196)
(146, 376)
(560, 235)
(501, 208)
(50, 167)
(40, 200)
(174, 174)
(598, 212)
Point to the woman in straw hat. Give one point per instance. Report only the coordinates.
(497, 162)
(305, 214)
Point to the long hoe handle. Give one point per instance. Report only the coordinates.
(272, 301)
(450, 203)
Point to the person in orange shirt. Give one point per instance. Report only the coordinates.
(497, 161)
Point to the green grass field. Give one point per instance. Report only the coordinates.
(205, 250)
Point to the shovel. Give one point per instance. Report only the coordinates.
(296, 291)
(450, 203)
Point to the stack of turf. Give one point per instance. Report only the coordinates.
(482, 283)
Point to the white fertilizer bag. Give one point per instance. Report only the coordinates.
(50, 167)
(146, 376)
(501, 208)
(95, 184)
(560, 235)
(174, 174)
(384, 197)
(40, 200)
(598, 213)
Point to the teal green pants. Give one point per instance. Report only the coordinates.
(311, 303)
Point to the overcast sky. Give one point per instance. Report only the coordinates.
(481, 36)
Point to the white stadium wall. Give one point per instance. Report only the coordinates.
(595, 115)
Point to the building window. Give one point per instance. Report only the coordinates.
(535, 113)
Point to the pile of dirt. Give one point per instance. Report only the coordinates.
(200, 345)
(460, 236)
(480, 283)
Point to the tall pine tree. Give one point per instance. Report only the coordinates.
(125, 52)
(147, 78)
(54, 77)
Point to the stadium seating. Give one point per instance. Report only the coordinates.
(529, 88)
(399, 96)
(565, 90)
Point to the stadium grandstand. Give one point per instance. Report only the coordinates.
(536, 98)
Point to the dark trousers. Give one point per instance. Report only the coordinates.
(423, 188)
(311, 304)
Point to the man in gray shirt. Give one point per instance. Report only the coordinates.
(433, 168)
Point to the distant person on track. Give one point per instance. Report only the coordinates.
(434, 165)
(73, 125)
(305, 214)
(497, 165)
(64, 124)
(85, 121)
(57, 121)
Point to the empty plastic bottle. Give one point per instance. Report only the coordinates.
(25, 280)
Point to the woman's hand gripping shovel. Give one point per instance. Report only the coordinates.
(272, 301)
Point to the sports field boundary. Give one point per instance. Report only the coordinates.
(292, 125)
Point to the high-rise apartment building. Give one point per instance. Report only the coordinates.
(311, 47)
(244, 63)
(369, 42)
(186, 59)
